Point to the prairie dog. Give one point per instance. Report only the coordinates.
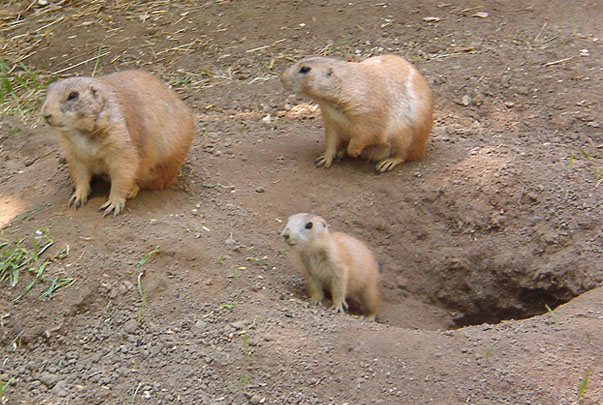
(334, 262)
(128, 126)
(380, 109)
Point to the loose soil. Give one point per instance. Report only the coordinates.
(501, 219)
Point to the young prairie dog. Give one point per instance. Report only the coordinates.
(128, 126)
(380, 109)
(333, 262)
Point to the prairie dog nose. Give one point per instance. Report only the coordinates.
(286, 236)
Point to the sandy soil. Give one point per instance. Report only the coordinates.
(500, 219)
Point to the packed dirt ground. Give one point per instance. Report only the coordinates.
(191, 296)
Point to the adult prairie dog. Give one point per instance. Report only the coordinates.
(128, 126)
(333, 262)
(380, 109)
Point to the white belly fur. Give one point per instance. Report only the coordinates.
(88, 151)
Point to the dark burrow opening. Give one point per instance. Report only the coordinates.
(521, 303)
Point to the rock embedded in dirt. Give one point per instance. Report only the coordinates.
(60, 389)
(238, 324)
(130, 326)
(48, 379)
(199, 326)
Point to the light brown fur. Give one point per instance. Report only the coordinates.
(127, 125)
(380, 109)
(334, 262)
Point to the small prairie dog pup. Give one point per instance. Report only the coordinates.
(380, 109)
(128, 126)
(333, 262)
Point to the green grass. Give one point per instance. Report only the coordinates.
(98, 54)
(186, 80)
(3, 386)
(255, 319)
(552, 314)
(133, 400)
(235, 271)
(20, 89)
(57, 283)
(261, 260)
(146, 257)
(583, 383)
(571, 160)
(241, 381)
(15, 258)
(219, 259)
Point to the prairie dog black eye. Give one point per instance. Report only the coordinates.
(72, 96)
(309, 225)
(305, 69)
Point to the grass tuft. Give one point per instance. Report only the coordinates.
(15, 257)
(20, 89)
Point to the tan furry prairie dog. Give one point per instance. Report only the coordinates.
(128, 126)
(333, 262)
(380, 109)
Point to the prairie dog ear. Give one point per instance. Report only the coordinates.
(329, 72)
(94, 92)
